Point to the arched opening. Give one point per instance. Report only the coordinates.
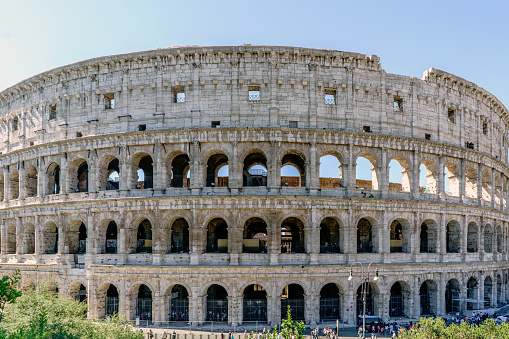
(500, 238)
(144, 303)
(428, 298)
(255, 236)
(293, 171)
(215, 177)
(179, 304)
(472, 294)
(330, 302)
(471, 183)
(452, 176)
(113, 179)
(112, 300)
(370, 292)
(399, 179)
(428, 237)
(217, 304)
(488, 292)
(292, 236)
(78, 292)
(144, 237)
(329, 236)
(179, 171)
(145, 173)
(217, 236)
(427, 178)
(364, 236)
(366, 175)
(330, 172)
(50, 286)
(14, 184)
(399, 292)
(111, 238)
(31, 184)
(29, 238)
(255, 303)
(453, 237)
(452, 295)
(488, 239)
(11, 239)
(396, 237)
(53, 178)
(293, 296)
(254, 172)
(28, 286)
(499, 290)
(472, 236)
(77, 237)
(49, 238)
(179, 236)
(486, 186)
(83, 177)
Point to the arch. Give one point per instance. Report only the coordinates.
(107, 300)
(452, 175)
(217, 303)
(180, 166)
(400, 291)
(292, 236)
(144, 303)
(400, 235)
(453, 237)
(254, 172)
(217, 236)
(50, 286)
(330, 172)
(49, 238)
(471, 183)
(214, 163)
(486, 186)
(111, 237)
(329, 236)
(178, 303)
(109, 173)
(427, 177)
(2, 187)
(428, 298)
(472, 238)
(76, 237)
(452, 295)
(295, 160)
(29, 238)
(11, 239)
(488, 292)
(330, 302)
(53, 173)
(371, 292)
(255, 236)
(365, 236)
(293, 296)
(14, 185)
(254, 303)
(78, 291)
(82, 178)
(428, 236)
(31, 182)
(472, 293)
(179, 236)
(144, 237)
(488, 239)
(143, 171)
(399, 175)
(28, 286)
(363, 164)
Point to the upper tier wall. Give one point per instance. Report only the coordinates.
(293, 83)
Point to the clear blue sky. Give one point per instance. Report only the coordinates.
(466, 38)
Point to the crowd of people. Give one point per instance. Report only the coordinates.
(179, 316)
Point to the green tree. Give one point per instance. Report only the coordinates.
(8, 291)
(290, 326)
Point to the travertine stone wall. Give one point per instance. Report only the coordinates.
(64, 132)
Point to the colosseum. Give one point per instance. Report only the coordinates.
(153, 184)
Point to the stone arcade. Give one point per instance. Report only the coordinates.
(150, 184)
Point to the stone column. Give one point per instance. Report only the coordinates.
(19, 237)
(236, 168)
(3, 230)
(493, 188)
(349, 171)
(312, 171)
(157, 175)
(464, 235)
(122, 241)
(275, 177)
(415, 311)
(480, 290)
(6, 183)
(272, 310)
(440, 294)
(383, 235)
(38, 239)
(479, 184)
(442, 235)
(157, 307)
(312, 309)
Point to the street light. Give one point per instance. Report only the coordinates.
(365, 281)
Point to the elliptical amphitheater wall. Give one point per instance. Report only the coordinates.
(183, 242)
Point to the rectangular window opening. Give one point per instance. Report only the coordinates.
(427, 136)
(79, 134)
(52, 112)
(109, 101)
(451, 115)
(398, 105)
(179, 94)
(293, 124)
(254, 93)
(367, 129)
(32, 143)
(142, 128)
(15, 123)
(485, 128)
(330, 96)
(215, 124)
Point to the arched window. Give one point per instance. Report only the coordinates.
(371, 295)
(255, 303)
(428, 237)
(77, 237)
(488, 292)
(215, 178)
(31, 183)
(366, 174)
(144, 237)
(292, 236)
(486, 186)
(113, 171)
(217, 304)
(330, 302)
(396, 245)
(364, 236)
(180, 170)
(472, 293)
(452, 294)
(330, 172)
(14, 184)
(488, 239)
(396, 301)
(111, 238)
(255, 236)
(112, 300)
(179, 236)
(329, 236)
(451, 179)
(427, 295)
(53, 179)
(144, 303)
(83, 178)
(427, 178)
(11, 239)
(29, 238)
(50, 238)
(293, 296)
(471, 183)
(145, 173)
(453, 237)
(217, 236)
(255, 170)
(399, 179)
(179, 304)
(293, 173)
(472, 236)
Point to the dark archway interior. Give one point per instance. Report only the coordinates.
(111, 237)
(215, 161)
(145, 165)
(144, 237)
(179, 236)
(179, 168)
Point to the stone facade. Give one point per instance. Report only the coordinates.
(111, 186)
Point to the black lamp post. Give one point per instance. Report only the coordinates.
(365, 281)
